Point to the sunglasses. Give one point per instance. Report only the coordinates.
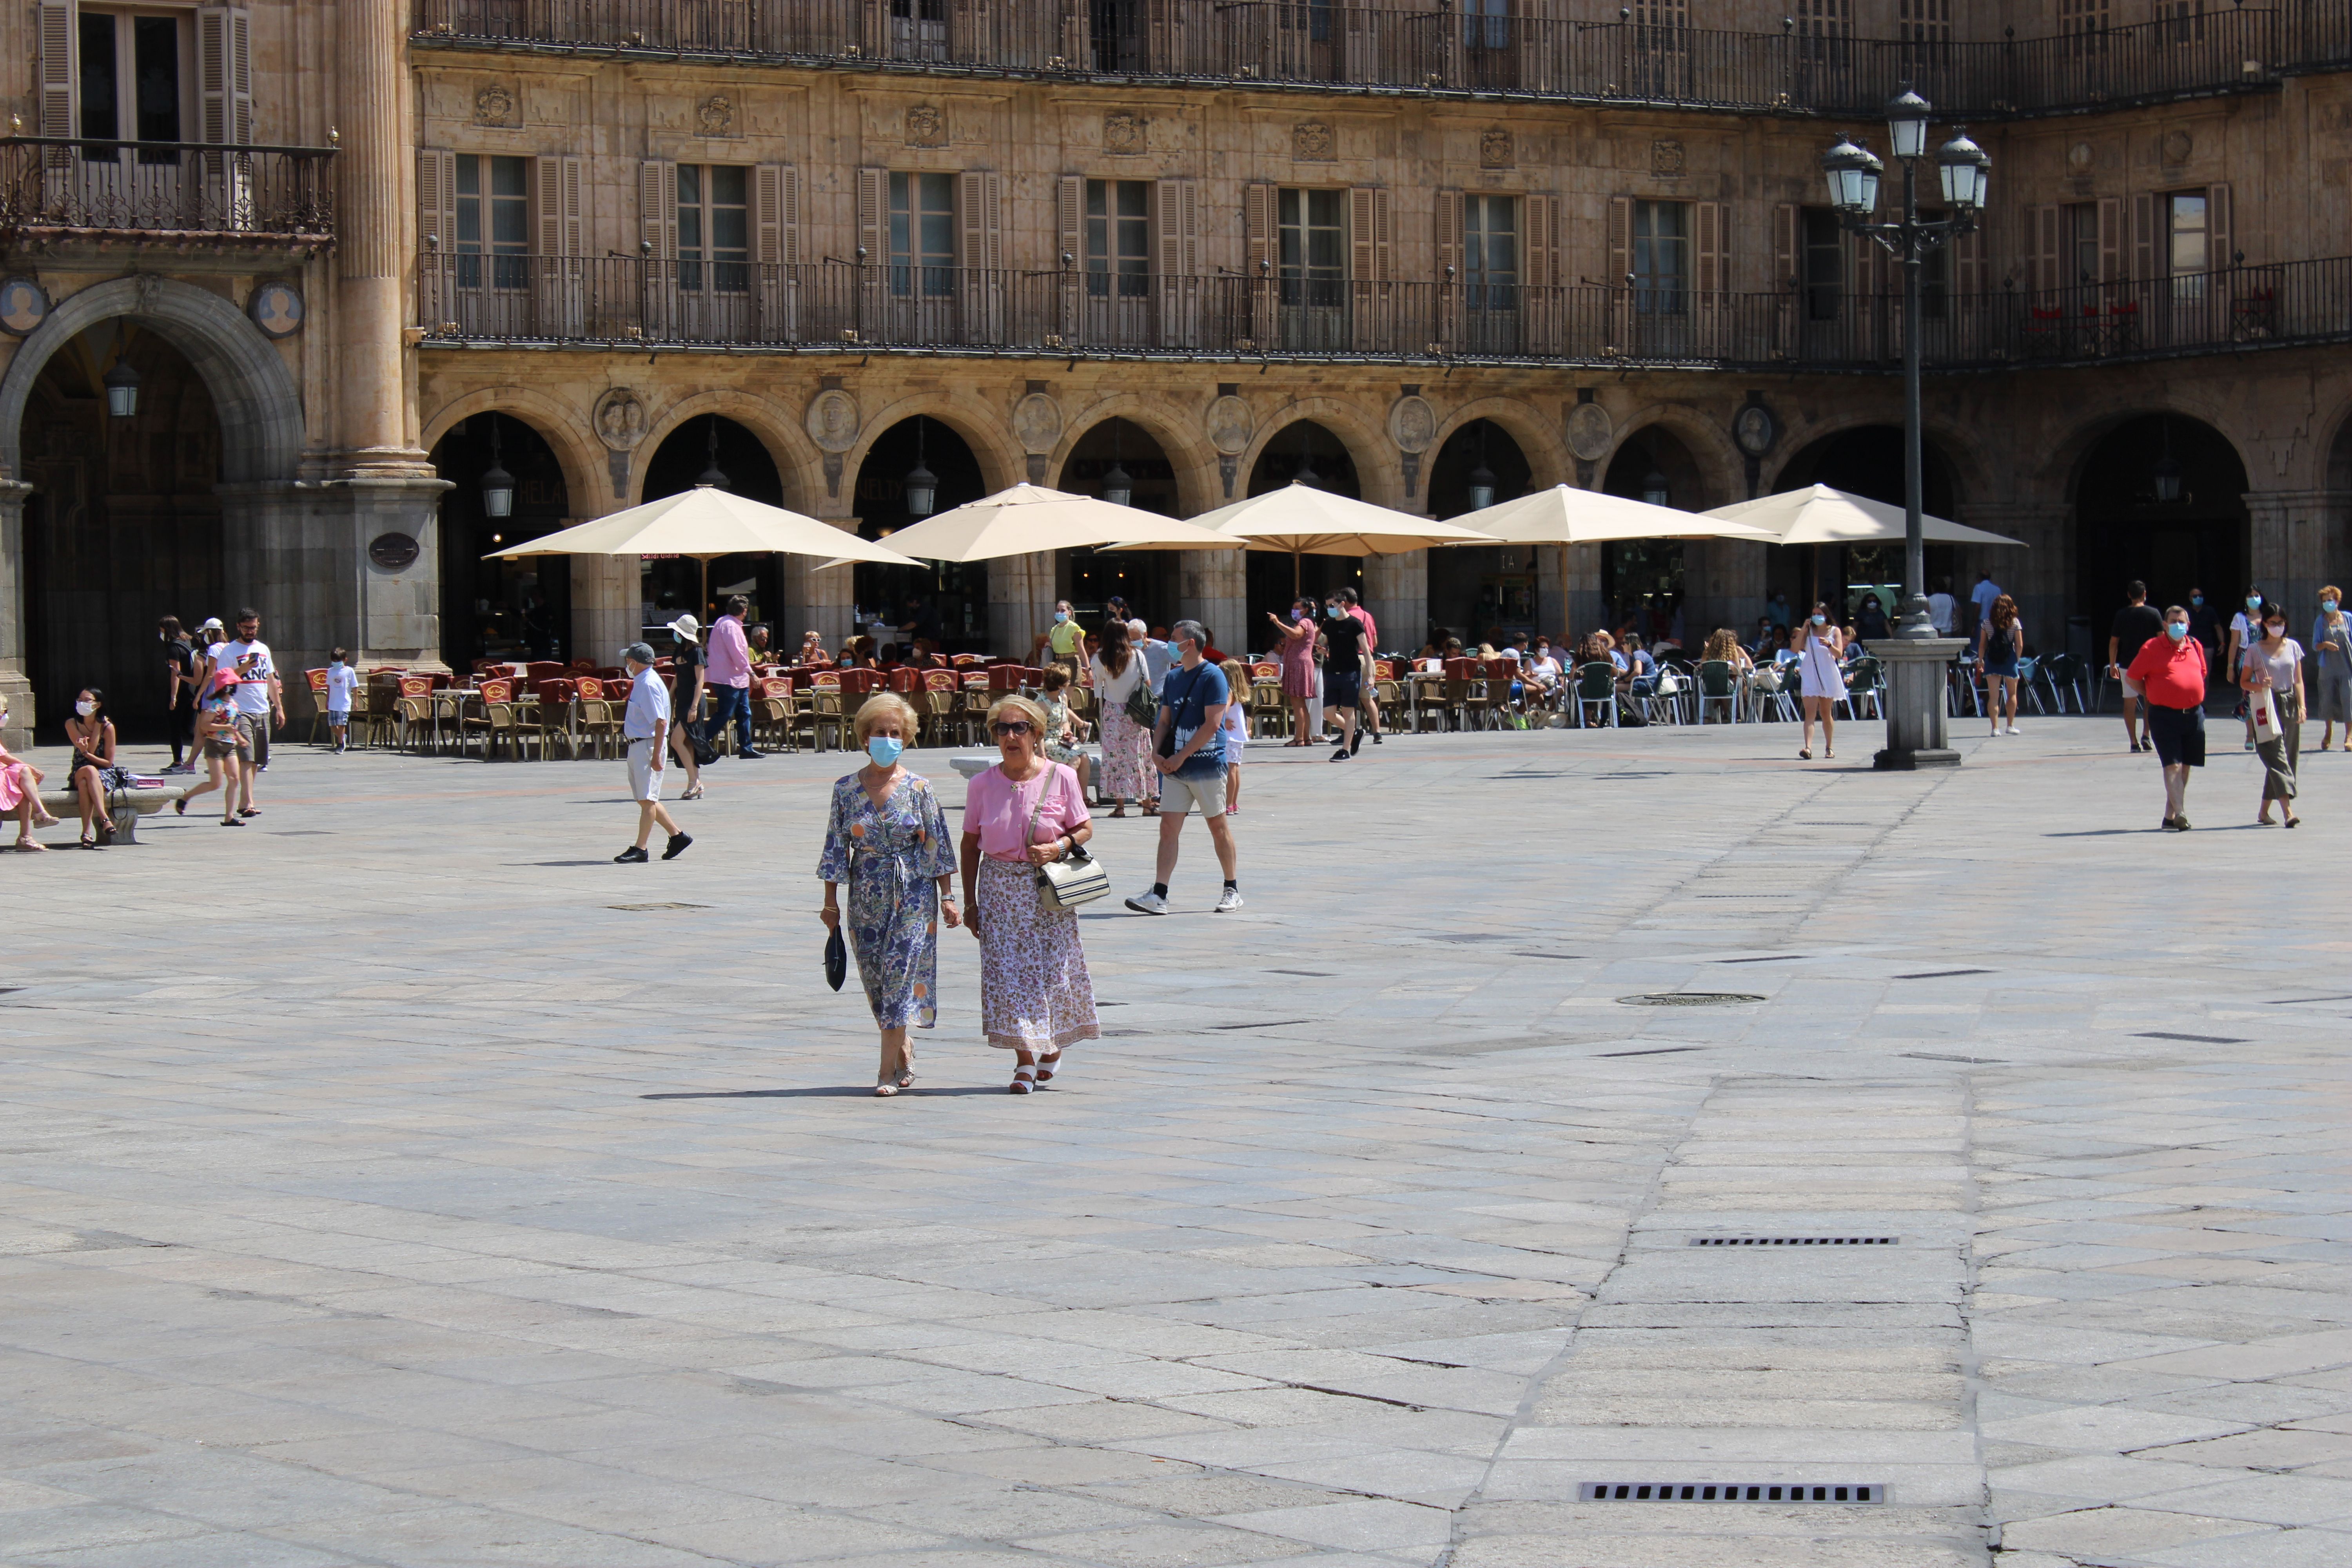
(1017, 727)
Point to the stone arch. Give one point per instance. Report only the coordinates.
(1722, 468)
(259, 405)
(1540, 442)
(2334, 466)
(1970, 467)
(1003, 464)
(2063, 474)
(1182, 441)
(1369, 447)
(588, 487)
(788, 446)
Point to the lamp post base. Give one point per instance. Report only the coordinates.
(1917, 676)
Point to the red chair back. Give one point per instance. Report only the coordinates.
(1005, 677)
(415, 686)
(775, 685)
(318, 678)
(583, 667)
(906, 679)
(557, 690)
(618, 690)
(497, 690)
(591, 689)
(860, 682)
(1382, 669)
(826, 680)
(1265, 671)
(1500, 668)
(938, 680)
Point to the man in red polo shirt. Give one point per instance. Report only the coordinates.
(2170, 671)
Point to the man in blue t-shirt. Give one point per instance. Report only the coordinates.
(1189, 747)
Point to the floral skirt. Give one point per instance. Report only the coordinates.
(1034, 991)
(894, 930)
(1127, 772)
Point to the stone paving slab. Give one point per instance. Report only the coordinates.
(472, 1200)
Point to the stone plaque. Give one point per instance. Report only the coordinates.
(1228, 424)
(2178, 144)
(927, 126)
(715, 116)
(1496, 151)
(1037, 423)
(1590, 432)
(393, 552)
(277, 309)
(1313, 140)
(1666, 159)
(1755, 429)
(2079, 157)
(495, 105)
(620, 419)
(24, 305)
(833, 420)
(1123, 134)
(1412, 424)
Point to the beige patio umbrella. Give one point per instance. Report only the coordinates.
(1567, 515)
(1029, 520)
(1301, 519)
(705, 524)
(1819, 515)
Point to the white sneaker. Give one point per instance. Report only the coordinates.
(1228, 901)
(2013, 729)
(1148, 904)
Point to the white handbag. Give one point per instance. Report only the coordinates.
(1077, 877)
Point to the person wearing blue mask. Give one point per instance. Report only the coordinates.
(2170, 671)
(889, 839)
(2331, 676)
(2245, 630)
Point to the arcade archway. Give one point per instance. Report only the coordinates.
(2174, 528)
(1643, 581)
(1866, 460)
(711, 448)
(1119, 454)
(944, 603)
(1301, 450)
(1479, 592)
(501, 609)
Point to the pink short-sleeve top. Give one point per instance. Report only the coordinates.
(998, 810)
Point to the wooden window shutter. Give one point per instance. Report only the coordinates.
(1361, 266)
(2146, 253)
(2220, 229)
(768, 214)
(980, 201)
(1383, 234)
(556, 199)
(1540, 228)
(1258, 227)
(2111, 243)
(1786, 267)
(1447, 206)
(436, 200)
(1176, 237)
(1709, 246)
(658, 209)
(1969, 263)
(224, 74)
(1070, 222)
(1869, 266)
(874, 217)
(2042, 246)
(1620, 241)
(788, 214)
(60, 73)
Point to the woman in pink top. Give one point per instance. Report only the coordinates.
(1035, 995)
(20, 795)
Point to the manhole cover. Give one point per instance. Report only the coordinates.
(1794, 1240)
(1690, 999)
(1727, 1491)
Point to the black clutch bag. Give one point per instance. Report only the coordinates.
(837, 959)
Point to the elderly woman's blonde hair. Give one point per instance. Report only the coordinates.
(1022, 707)
(880, 706)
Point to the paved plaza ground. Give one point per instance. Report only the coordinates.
(399, 1182)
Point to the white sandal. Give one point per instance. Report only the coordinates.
(1025, 1079)
(1046, 1067)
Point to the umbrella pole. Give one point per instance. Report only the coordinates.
(702, 600)
(1294, 574)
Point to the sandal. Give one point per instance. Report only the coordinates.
(31, 847)
(179, 806)
(884, 1089)
(1025, 1079)
(2294, 822)
(1045, 1066)
(88, 842)
(248, 811)
(694, 793)
(1805, 756)
(1120, 810)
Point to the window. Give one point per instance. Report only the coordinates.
(1824, 18)
(2182, 22)
(1311, 248)
(2081, 258)
(1118, 237)
(2084, 21)
(493, 220)
(1661, 257)
(1490, 252)
(131, 80)
(918, 29)
(1486, 23)
(2187, 256)
(922, 234)
(714, 226)
(1824, 264)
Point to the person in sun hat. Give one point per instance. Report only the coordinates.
(691, 662)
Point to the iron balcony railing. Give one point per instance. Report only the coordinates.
(176, 188)
(828, 307)
(1433, 46)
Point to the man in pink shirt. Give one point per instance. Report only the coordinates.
(1371, 692)
(727, 679)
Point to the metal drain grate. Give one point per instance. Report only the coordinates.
(1690, 999)
(648, 909)
(1654, 1051)
(2192, 1039)
(1941, 973)
(1727, 1491)
(1794, 1240)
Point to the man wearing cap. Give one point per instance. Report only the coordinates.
(688, 662)
(645, 731)
(729, 665)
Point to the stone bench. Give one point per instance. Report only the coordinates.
(129, 807)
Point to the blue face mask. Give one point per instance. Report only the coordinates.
(1820, 620)
(2327, 605)
(2253, 601)
(1061, 615)
(2176, 630)
(885, 750)
(2197, 598)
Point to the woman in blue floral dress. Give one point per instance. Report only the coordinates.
(889, 840)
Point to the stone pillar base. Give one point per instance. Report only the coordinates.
(1396, 590)
(1915, 701)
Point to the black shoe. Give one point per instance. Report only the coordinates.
(677, 843)
(2180, 824)
(631, 856)
(748, 751)
(1358, 744)
(2171, 825)
(1340, 756)
(1376, 737)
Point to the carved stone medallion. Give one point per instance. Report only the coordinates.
(276, 309)
(1495, 150)
(1313, 140)
(1037, 423)
(1228, 424)
(2079, 157)
(1589, 431)
(1123, 134)
(493, 105)
(1666, 160)
(715, 117)
(620, 419)
(833, 420)
(1412, 424)
(2178, 144)
(1755, 429)
(927, 126)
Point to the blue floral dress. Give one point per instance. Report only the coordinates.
(893, 914)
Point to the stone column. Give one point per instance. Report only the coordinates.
(607, 605)
(1735, 588)
(1915, 701)
(2041, 577)
(1396, 590)
(1213, 589)
(1020, 602)
(16, 731)
(2298, 540)
(1580, 596)
(372, 243)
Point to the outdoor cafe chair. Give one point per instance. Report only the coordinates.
(1596, 685)
(2029, 683)
(938, 713)
(318, 678)
(1768, 685)
(825, 716)
(1718, 682)
(600, 717)
(771, 712)
(1863, 678)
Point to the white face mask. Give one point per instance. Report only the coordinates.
(85, 708)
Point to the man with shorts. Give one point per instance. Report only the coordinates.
(644, 733)
(2134, 625)
(1189, 751)
(2170, 671)
(259, 696)
(1370, 688)
(1343, 673)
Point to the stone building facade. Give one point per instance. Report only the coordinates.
(607, 245)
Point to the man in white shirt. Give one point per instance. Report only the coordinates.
(258, 695)
(644, 737)
(1942, 606)
(1983, 596)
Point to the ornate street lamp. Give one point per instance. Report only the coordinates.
(121, 382)
(1481, 478)
(1654, 488)
(713, 476)
(2168, 471)
(1915, 713)
(1116, 488)
(498, 485)
(922, 485)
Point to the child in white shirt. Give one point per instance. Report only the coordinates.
(342, 681)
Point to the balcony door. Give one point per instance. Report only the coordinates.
(1311, 267)
(1118, 306)
(125, 82)
(1490, 274)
